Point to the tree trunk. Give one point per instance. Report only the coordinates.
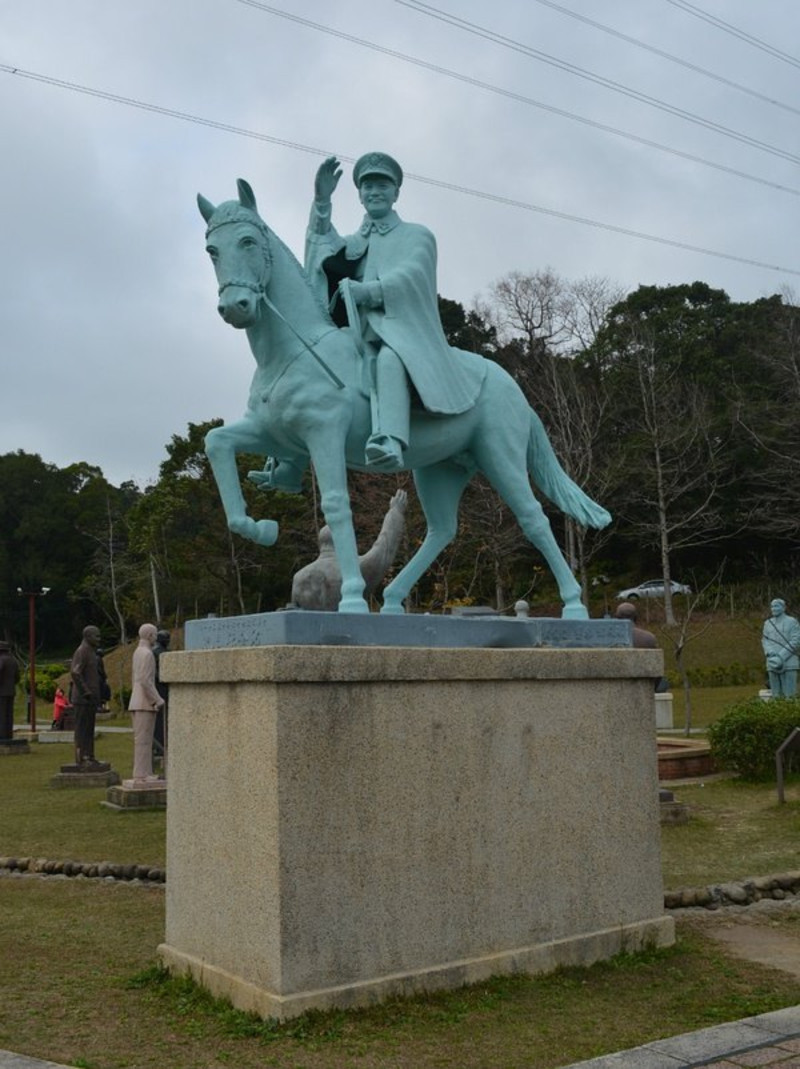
(154, 582)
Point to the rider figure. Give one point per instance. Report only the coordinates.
(389, 267)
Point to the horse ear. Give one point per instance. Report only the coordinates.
(247, 197)
(207, 209)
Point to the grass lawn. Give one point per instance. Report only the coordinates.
(84, 992)
(39, 821)
(708, 703)
(85, 989)
(736, 830)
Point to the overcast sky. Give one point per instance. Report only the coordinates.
(110, 338)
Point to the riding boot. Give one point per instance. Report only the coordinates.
(390, 431)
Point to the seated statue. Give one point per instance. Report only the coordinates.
(384, 277)
(319, 585)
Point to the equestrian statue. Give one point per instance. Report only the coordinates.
(353, 370)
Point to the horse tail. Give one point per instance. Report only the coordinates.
(552, 480)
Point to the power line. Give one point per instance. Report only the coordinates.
(581, 72)
(668, 56)
(116, 98)
(743, 35)
(518, 97)
(596, 223)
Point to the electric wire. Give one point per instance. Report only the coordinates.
(518, 97)
(506, 42)
(743, 35)
(685, 63)
(116, 98)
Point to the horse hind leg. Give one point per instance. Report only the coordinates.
(536, 528)
(439, 489)
(512, 485)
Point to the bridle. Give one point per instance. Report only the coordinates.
(243, 284)
(259, 288)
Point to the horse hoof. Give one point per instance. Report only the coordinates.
(392, 608)
(264, 532)
(353, 605)
(575, 612)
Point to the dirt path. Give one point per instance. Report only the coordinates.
(766, 932)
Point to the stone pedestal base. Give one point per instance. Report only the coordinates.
(57, 737)
(663, 711)
(346, 824)
(13, 746)
(672, 811)
(102, 775)
(134, 796)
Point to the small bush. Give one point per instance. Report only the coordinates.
(122, 697)
(746, 737)
(47, 677)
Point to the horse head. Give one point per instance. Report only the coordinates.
(237, 241)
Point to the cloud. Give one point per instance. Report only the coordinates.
(110, 339)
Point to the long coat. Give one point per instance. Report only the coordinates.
(780, 638)
(401, 257)
(144, 696)
(85, 674)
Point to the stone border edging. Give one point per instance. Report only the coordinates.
(735, 892)
(713, 896)
(92, 869)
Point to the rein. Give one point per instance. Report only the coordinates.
(328, 371)
(260, 291)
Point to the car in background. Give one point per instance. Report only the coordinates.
(653, 588)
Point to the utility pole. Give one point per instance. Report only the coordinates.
(32, 595)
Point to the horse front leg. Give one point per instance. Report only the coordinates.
(331, 470)
(221, 445)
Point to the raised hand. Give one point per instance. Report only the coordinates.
(327, 179)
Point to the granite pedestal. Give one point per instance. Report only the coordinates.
(94, 774)
(10, 747)
(348, 824)
(135, 796)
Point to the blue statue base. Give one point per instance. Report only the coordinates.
(307, 628)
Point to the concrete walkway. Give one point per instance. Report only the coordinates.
(771, 1039)
(8, 1060)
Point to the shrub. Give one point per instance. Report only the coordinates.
(746, 737)
(47, 677)
(122, 697)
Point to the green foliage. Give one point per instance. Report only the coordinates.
(707, 386)
(466, 330)
(47, 677)
(746, 737)
(122, 697)
(194, 561)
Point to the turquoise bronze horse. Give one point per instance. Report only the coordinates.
(308, 402)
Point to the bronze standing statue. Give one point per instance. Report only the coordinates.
(86, 696)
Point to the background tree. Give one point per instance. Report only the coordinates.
(193, 560)
(672, 358)
(545, 322)
(767, 411)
